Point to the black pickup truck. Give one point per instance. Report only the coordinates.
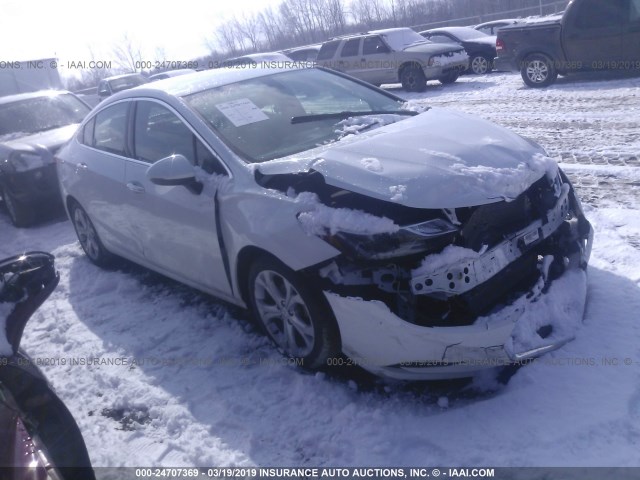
(590, 35)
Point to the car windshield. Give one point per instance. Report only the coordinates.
(289, 112)
(123, 83)
(402, 38)
(39, 114)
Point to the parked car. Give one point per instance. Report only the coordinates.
(394, 55)
(590, 35)
(308, 53)
(480, 47)
(417, 244)
(33, 126)
(491, 28)
(39, 439)
(170, 73)
(110, 85)
(258, 60)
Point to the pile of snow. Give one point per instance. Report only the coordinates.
(451, 255)
(318, 219)
(354, 125)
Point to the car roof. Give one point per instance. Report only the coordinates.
(390, 30)
(124, 75)
(25, 96)
(452, 30)
(506, 21)
(182, 85)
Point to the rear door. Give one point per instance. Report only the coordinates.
(349, 58)
(94, 174)
(592, 34)
(175, 227)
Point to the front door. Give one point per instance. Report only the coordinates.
(175, 226)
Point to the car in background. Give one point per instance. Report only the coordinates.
(170, 73)
(33, 126)
(480, 47)
(39, 438)
(110, 85)
(394, 55)
(491, 28)
(590, 35)
(421, 245)
(305, 54)
(257, 60)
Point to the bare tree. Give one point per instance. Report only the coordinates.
(128, 54)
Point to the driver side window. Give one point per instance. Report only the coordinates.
(159, 133)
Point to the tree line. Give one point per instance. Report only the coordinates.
(301, 22)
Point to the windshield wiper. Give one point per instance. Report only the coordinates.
(346, 114)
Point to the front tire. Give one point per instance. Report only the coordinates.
(538, 71)
(413, 79)
(295, 316)
(449, 78)
(20, 215)
(88, 237)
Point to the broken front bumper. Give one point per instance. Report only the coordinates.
(540, 320)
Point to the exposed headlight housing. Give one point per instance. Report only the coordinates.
(432, 235)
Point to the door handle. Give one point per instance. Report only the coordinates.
(135, 187)
(81, 166)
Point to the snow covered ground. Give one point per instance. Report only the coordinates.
(191, 383)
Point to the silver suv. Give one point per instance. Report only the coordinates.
(394, 55)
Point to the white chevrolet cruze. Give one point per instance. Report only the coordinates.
(419, 244)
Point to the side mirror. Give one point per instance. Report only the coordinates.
(172, 171)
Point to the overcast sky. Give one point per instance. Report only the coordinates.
(65, 29)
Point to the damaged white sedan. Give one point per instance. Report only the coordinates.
(420, 244)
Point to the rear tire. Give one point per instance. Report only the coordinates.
(479, 65)
(20, 215)
(88, 237)
(413, 79)
(294, 315)
(538, 71)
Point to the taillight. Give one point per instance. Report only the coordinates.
(499, 45)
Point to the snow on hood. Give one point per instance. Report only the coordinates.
(438, 159)
(5, 346)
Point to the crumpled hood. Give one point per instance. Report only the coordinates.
(51, 139)
(439, 159)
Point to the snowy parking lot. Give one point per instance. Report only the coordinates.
(158, 374)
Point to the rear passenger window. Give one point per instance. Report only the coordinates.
(328, 50)
(599, 14)
(159, 133)
(110, 127)
(350, 48)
